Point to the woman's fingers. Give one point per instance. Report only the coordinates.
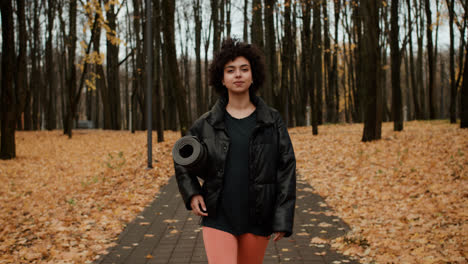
(198, 204)
(278, 236)
(202, 204)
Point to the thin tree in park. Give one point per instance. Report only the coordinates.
(168, 8)
(453, 84)
(197, 12)
(22, 72)
(71, 69)
(430, 57)
(370, 65)
(397, 110)
(464, 95)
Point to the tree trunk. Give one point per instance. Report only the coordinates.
(157, 95)
(89, 92)
(430, 57)
(21, 72)
(316, 70)
(464, 95)
(101, 85)
(436, 96)
(51, 87)
(359, 87)
(75, 92)
(349, 82)
(216, 25)
(407, 108)
(285, 62)
(292, 71)
(271, 77)
(370, 65)
(221, 17)
(397, 107)
(8, 96)
(35, 83)
(168, 30)
(216, 35)
(63, 66)
(97, 107)
(170, 105)
(346, 78)
(207, 91)
(453, 87)
(384, 41)
(256, 30)
(414, 86)
(334, 73)
(246, 21)
(317, 62)
(386, 114)
(419, 72)
(71, 80)
(328, 86)
(462, 47)
(113, 82)
(197, 11)
(228, 18)
(129, 51)
(304, 86)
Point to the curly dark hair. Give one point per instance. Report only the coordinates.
(232, 48)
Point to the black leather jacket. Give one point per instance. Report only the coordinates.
(272, 190)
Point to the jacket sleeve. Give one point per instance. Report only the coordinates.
(186, 181)
(286, 182)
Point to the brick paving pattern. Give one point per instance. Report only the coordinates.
(165, 232)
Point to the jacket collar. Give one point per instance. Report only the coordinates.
(216, 114)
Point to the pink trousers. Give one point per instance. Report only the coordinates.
(224, 248)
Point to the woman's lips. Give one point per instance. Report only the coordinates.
(238, 83)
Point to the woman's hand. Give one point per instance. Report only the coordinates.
(278, 236)
(198, 204)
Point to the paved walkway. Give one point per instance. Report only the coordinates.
(165, 232)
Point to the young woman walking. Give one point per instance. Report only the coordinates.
(249, 180)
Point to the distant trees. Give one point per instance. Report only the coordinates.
(77, 60)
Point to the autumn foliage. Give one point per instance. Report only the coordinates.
(405, 196)
(66, 200)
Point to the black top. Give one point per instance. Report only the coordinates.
(233, 205)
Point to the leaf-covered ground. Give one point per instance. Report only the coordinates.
(405, 196)
(65, 201)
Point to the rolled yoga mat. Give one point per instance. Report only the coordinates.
(189, 152)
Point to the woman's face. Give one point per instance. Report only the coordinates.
(237, 75)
